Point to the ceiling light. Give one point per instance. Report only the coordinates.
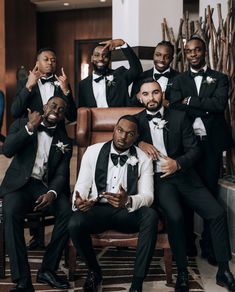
(66, 4)
(102, 0)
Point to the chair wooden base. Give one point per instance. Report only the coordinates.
(118, 239)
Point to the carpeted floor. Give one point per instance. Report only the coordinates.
(117, 268)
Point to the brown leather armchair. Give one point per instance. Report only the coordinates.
(96, 125)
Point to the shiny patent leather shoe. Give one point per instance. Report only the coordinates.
(93, 282)
(226, 280)
(182, 282)
(50, 278)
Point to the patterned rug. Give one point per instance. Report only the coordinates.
(117, 267)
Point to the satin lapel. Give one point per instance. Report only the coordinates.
(89, 92)
(145, 129)
(132, 175)
(190, 83)
(102, 168)
(166, 128)
(204, 86)
(38, 93)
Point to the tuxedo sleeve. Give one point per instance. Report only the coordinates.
(215, 103)
(135, 66)
(85, 177)
(21, 100)
(17, 138)
(144, 197)
(190, 145)
(71, 113)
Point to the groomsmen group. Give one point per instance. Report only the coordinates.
(168, 156)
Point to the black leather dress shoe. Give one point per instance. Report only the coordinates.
(134, 290)
(182, 282)
(226, 280)
(93, 282)
(50, 278)
(22, 287)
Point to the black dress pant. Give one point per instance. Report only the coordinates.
(15, 206)
(189, 187)
(102, 217)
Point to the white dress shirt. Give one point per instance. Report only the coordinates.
(198, 125)
(163, 81)
(116, 175)
(157, 138)
(46, 90)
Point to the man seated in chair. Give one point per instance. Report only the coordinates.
(35, 181)
(167, 137)
(114, 191)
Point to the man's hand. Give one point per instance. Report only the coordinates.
(64, 85)
(169, 166)
(35, 119)
(149, 149)
(112, 44)
(83, 204)
(33, 77)
(44, 201)
(117, 200)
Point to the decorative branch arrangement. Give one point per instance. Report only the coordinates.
(220, 44)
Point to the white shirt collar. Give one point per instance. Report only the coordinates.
(112, 150)
(195, 71)
(161, 111)
(158, 72)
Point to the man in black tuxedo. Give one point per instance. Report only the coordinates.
(167, 136)
(106, 87)
(113, 191)
(41, 84)
(36, 180)
(161, 72)
(34, 92)
(203, 94)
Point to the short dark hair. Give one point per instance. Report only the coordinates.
(59, 96)
(145, 80)
(132, 119)
(100, 45)
(45, 49)
(166, 44)
(198, 38)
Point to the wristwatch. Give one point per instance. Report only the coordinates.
(128, 203)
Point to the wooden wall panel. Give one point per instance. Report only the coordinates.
(20, 45)
(60, 29)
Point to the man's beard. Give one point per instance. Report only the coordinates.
(100, 70)
(154, 109)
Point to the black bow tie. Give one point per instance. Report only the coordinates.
(49, 131)
(50, 79)
(195, 74)
(100, 78)
(157, 115)
(159, 75)
(122, 160)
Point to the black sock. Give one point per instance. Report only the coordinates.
(223, 266)
(137, 283)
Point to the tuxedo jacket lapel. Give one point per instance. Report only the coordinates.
(165, 129)
(89, 92)
(132, 175)
(102, 168)
(191, 84)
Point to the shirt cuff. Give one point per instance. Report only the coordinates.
(54, 192)
(124, 46)
(29, 132)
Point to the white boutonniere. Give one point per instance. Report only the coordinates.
(62, 147)
(110, 81)
(56, 83)
(209, 80)
(161, 124)
(132, 160)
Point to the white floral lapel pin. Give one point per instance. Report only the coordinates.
(209, 80)
(132, 160)
(160, 125)
(62, 147)
(110, 81)
(56, 83)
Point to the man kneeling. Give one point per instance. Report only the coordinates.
(114, 190)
